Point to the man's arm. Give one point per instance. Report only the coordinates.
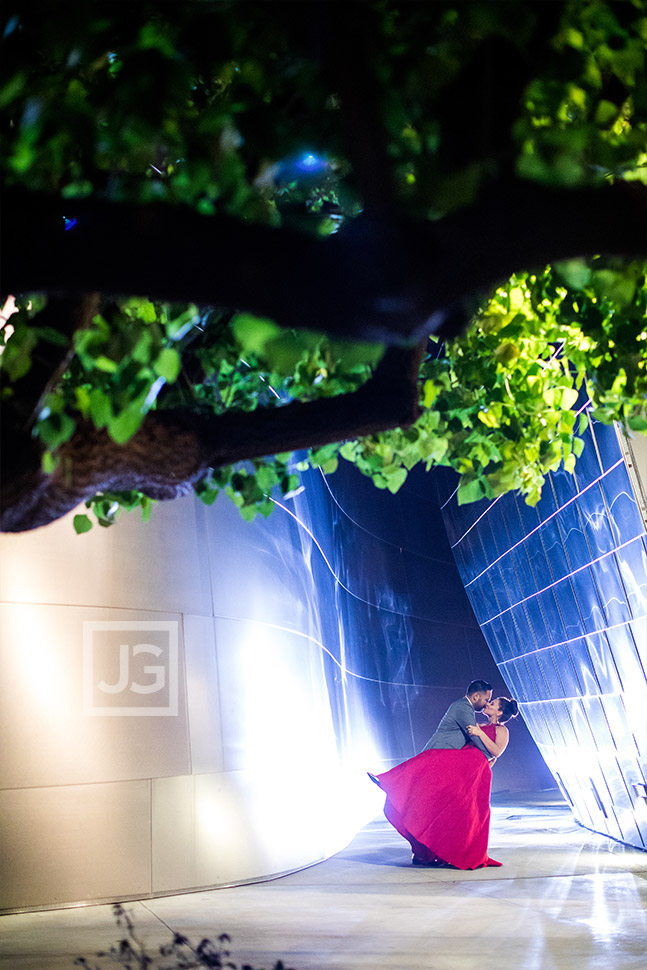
(465, 714)
(497, 747)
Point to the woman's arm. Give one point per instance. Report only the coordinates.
(497, 747)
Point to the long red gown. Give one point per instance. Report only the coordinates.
(440, 802)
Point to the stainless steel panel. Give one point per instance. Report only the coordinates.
(583, 636)
(74, 843)
(161, 565)
(54, 741)
(202, 695)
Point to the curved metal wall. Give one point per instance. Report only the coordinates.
(405, 626)
(249, 762)
(322, 642)
(560, 592)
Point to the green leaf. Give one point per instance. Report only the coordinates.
(168, 364)
(605, 113)
(470, 491)
(207, 495)
(81, 524)
(16, 355)
(569, 463)
(348, 451)
(569, 397)
(82, 399)
(49, 462)
(13, 88)
(143, 349)
(491, 417)
(267, 477)
(100, 408)
(330, 466)
(56, 429)
(126, 424)
(248, 512)
(77, 190)
(141, 309)
(320, 456)
(615, 286)
(180, 325)
(396, 479)
(253, 333)
(355, 353)
(51, 336)
(105, 364)
(575, 272)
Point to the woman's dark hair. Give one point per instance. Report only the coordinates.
(508, 707)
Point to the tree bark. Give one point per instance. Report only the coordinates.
(377, 279)
(174, 449)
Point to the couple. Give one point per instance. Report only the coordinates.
(440, 799)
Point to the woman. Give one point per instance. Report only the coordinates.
(440, 799)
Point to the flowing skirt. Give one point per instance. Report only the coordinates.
(440, 802)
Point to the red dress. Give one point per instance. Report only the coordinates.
(440, 802)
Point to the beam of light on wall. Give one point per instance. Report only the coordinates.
(305, 784)
(640, 809)
(582, 773)
(42, 681)
(635, 706)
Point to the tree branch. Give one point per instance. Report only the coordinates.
(174, 449)
(375, 280)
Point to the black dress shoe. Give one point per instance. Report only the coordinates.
(436, 864)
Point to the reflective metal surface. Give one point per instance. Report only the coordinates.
(324, 641)
(560, 592)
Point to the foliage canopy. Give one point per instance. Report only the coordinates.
(244, 110)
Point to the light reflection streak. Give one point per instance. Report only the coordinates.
(317, 643)
(374, 535)
(447, 501)
(565, 643)
(577, 697)
(538, 527)
(377, 606)
(476, 522)
(587, 565)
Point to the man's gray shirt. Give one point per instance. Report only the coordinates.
(452, 733)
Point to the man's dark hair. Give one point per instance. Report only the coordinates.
(477, 686)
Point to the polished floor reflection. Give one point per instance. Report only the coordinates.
(565, 898)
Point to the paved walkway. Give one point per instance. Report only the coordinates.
(565, 899)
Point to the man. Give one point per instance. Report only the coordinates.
(452, 730)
